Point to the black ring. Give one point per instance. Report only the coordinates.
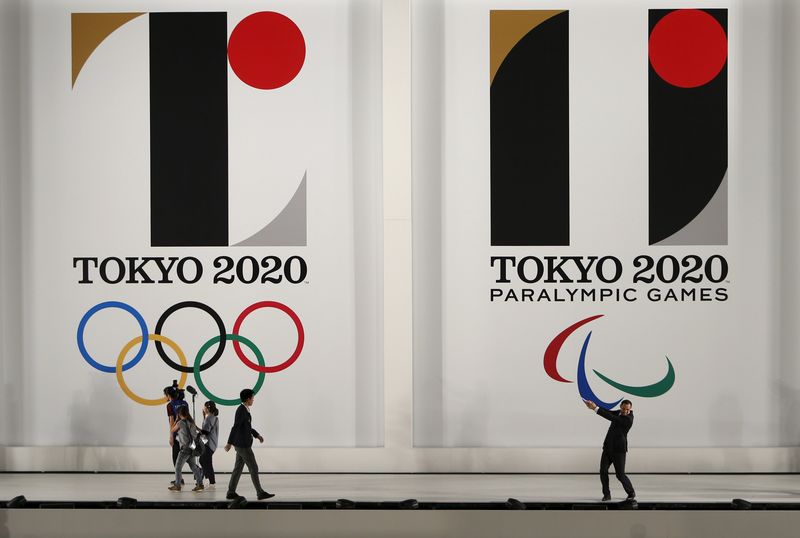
(211, 312)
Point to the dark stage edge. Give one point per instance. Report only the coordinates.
(406, 504)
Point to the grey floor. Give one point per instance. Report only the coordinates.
(425, 488)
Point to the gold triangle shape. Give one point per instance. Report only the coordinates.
(507, 27)
(88, 31)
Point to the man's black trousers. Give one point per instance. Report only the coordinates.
(618, 460)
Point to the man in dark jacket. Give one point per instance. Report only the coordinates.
(615, 445)
(241, 438)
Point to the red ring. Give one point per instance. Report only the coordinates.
(300, 336)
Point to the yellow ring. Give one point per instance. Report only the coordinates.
(121, 359)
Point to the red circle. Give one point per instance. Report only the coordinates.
(300, 336)
(688, 48)
(266, 50)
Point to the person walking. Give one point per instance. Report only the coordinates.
(211, 431)
(241, 438)
(175, 401)
(187, 433)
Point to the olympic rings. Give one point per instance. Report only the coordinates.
(300, 336)
(124, 386)
(198, 369)
(211, 312)
(92, 311)
(183, 367)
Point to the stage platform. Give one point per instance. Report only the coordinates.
(85, 504)
(450, 488)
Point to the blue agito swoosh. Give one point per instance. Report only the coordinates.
(583, 384)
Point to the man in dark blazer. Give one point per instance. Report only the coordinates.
(615, 445)
(241, 438)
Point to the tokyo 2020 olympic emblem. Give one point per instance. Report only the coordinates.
(189, 55)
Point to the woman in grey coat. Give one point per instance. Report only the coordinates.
(187, 433)
(211, 431)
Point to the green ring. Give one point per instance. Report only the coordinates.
(199, 359)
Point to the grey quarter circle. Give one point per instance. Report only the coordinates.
(710, 226)
(288, 229)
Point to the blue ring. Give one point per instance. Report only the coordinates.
(112, 304)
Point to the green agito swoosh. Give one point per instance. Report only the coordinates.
(647, 391)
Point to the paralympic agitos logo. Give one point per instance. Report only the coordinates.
(584, 389)
(182, 365)
(189, 55)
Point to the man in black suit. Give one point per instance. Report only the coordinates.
(241, 437)
(615, 445)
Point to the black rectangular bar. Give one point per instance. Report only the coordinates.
(688, 140)
(188, 129)
(529, 137)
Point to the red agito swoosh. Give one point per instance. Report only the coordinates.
(551, 353)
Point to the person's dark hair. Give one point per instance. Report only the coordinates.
(183, 412)
(171, 392)
(212, 408)
(246, 394)
(623, 402)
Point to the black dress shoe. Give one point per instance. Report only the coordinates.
(631, 497)
(606, 498)
(231, 495)
(264, 495)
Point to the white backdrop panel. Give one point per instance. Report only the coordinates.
(88, 194)
(494, 391)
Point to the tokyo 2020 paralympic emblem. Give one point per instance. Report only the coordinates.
(584, 389)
